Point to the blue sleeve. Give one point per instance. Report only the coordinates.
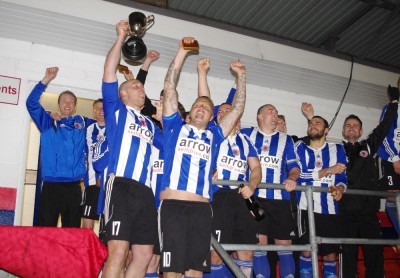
(306, 175)
(291, 157)
(158, 138)
(111, 103)
(40, 117)
(171, 121)
(247, 131)
(229, 100)
(231, 95)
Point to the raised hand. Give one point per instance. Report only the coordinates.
(50, 74)
(128, 75)
(238, 67)
(152, 55)
(308, 110)
(203, 65)
(122, 28)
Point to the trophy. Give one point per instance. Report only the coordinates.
(134, 48)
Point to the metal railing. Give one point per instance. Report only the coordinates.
(313, 238)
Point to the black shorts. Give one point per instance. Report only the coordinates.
(132, 214)
(278, 222)
(90, 199)
(388, 178)
(232, 220)
(326, 225)
(185, 236)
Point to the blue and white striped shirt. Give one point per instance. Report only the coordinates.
(232, 159)
(277, 158)
(130, 137)
(311, 162)
(189, 156)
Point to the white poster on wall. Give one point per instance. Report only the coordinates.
(9, 89)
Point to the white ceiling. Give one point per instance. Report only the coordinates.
(73, 33)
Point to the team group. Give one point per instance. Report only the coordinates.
(149, 171)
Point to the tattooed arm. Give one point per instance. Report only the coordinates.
(170, 100)
(229, 121)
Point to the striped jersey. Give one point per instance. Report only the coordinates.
(277, 158)
(100, 158)
(232, 159)
(130, 137)
(188, 156)
(94, 134)
(311, 162)
(157, 171)
(390, 148)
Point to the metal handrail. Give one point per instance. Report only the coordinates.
(314, 240)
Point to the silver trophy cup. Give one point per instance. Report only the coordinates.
(134, 48)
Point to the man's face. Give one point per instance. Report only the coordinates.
(66, 105)
(201, 113)
(352, 130)
(98, 112)
(268, 117)
(316, 129)
(281, 126)
(222, 111)
(132, 94)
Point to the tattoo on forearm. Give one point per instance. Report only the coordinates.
(170, 83)
(238, 104)
(172, 77)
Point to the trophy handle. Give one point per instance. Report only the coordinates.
(149, 22)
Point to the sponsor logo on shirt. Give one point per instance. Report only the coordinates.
(141, 132)
(196, 148)
(158, 166)
(271, 162)
(232, 164)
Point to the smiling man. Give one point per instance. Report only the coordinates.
(62, 154)
(190, 149)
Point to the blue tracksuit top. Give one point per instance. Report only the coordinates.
(62, 142)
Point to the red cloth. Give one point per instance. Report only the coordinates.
(51, 252)
(7, 198)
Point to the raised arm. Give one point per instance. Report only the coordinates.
(203, 66)
(39, 115)
(170, 102)
(114, 55)
(239, 101)
(308, 110)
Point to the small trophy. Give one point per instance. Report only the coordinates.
(134, 48)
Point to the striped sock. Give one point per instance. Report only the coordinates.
(286, 262)
(330, 269)
(260, 264)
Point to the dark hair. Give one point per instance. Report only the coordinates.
(99, 100)
(282, 117)
(352, 116)
(67, 93)
(181, 110)
(326, 125)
